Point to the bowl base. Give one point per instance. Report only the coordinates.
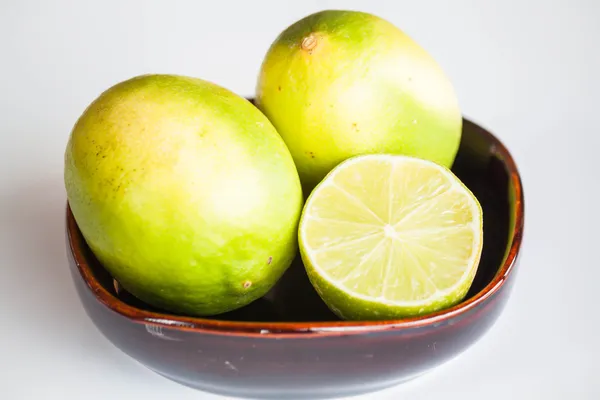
(300, 394)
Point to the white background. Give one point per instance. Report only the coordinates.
(526, 69)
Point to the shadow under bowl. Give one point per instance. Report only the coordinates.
(288, 344)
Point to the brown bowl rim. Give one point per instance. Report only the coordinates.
(309, 329)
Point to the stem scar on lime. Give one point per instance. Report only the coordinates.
(309, 42)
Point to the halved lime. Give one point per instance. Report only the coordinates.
(389, 236)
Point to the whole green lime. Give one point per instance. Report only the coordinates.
(337, 84)
(185, 193)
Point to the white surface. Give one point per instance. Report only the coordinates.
(527, 70)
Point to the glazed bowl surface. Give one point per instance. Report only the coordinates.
(288, 344)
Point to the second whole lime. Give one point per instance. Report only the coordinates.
(337, 84)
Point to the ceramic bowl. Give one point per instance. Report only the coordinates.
(288, 344)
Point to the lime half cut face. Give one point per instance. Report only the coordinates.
(389, 236)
